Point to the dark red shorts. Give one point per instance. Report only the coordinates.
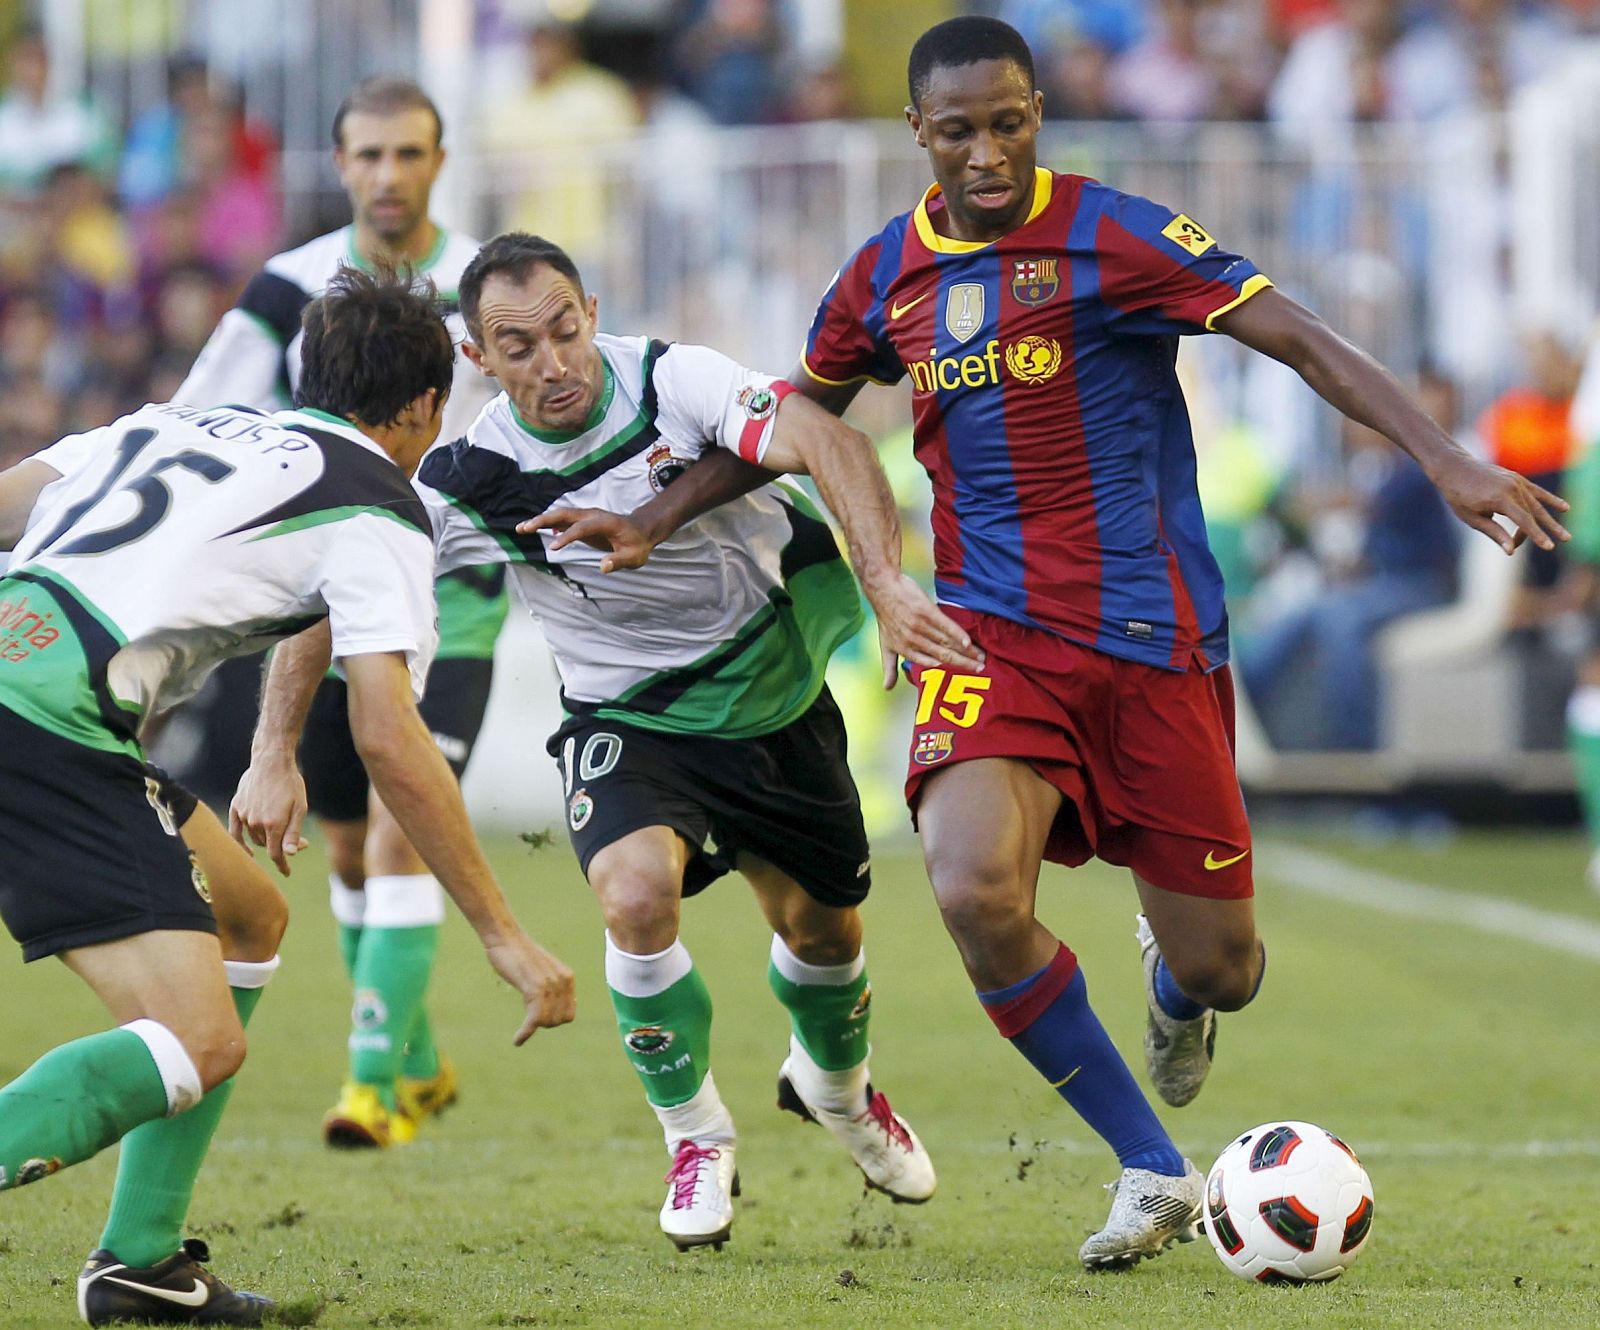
(1143, 756)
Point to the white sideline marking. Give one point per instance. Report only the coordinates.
(1323, 875)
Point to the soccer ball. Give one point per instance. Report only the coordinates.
(1288, 1203)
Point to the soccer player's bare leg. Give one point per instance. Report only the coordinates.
(178, 1036)
(664, 1018)
(160, 1161)
(984, 825)
(1210, 945)
(818, 971)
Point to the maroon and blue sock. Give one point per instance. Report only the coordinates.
(1048, 1019)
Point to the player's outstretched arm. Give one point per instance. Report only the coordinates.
(417, 786)
(808, 440)
(270, 803)
(628, 539)
(1347, 377)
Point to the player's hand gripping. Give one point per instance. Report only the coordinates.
(546, 984)
(1476, 491)
(268, 808)
(911, 625)
(624, 541)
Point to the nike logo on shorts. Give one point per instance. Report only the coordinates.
(1213, 863)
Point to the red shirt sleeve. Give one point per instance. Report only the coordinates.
(1161, 272)
(846, 342)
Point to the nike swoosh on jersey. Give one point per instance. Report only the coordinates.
(897, 309)
(195, 1297)
(1213, 863)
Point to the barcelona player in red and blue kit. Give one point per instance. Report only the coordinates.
(1089, 712)
(1037, 317)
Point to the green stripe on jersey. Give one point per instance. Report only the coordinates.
(469, 620)
(323, 516)
(46, 674)
(765, 676)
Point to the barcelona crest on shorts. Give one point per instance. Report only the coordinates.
(1034, 281)
(933, 747)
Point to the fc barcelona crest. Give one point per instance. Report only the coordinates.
(933, 747)
(1034, 281)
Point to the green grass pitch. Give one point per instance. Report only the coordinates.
(1462, 1068)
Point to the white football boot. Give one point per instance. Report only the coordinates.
(700, 1189)
(885, 1149)
(1149, 1212)
(1177, 1054)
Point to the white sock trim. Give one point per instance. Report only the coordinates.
(837, 1091)
(250, 974)
(797, 971)
(178, 1072)
(1583, 709)
(701, 1118)
(349, 905)
(645, 976)
(411, 900)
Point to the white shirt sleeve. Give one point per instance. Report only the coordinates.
(71, 454)
(703, 395)
(238, 366)
(377, 580)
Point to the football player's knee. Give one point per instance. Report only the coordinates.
(217, 1049)
(348, 859)
(1224, 979)
(256, 936)
(983, 907)
(641, 913)
(823, 938)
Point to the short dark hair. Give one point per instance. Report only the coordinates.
(374, 342)
(516, 254)
(964, 41)
(386, 95)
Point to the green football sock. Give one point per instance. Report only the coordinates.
(161, 1160)
(1583, 742)
(828, 1006)
(664, 1017)
(399, 940)
(421, 1060)
(79, 1098)
(349, 911)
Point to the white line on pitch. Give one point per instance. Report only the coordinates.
(1323, 875)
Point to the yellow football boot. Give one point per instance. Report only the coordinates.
(420, 1097)
(359, 1121)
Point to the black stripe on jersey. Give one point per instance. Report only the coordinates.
(352, 476)
(277, 302)
(486, 580)
(661, 693)
(811, 543)
(99, 646)
(496, 494)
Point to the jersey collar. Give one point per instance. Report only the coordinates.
(1043, 187)
(440, 240)
(308, 417)
(596, 414)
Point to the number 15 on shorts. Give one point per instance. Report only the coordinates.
(957, 698)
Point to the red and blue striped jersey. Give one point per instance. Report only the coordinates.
(1047, 408)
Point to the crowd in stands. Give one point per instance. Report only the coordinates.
(122, 243)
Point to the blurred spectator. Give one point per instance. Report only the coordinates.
(31, 344)
(819, 91)
(86, 249)
(1048, 26)
(569, 108)
(1473, 55)
(39, 132)
(729, 61)
(1076, 79)
(31, 420)
(240, 216)
(153, 153)
(1406, 562)
(1338, 74)
(1198, 62)
(190, 301)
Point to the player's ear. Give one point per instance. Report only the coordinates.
(474, 353)
(914, 119)
(592, 308)
(1038, 107)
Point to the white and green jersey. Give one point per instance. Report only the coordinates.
(727, 630)
(253, 359)
(178, 537)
